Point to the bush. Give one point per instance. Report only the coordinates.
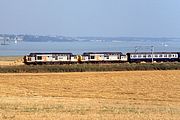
(88, 67)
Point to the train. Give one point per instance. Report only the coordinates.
(100, 57)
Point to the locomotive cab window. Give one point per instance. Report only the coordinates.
(39, 57)
(29, 59)
(92, 57)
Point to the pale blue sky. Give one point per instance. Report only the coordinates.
(143, 18)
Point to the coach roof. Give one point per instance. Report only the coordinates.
(153, 53)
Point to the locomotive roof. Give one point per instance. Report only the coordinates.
(50, 53)
(102, 53)
(153, 53)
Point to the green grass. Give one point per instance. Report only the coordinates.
(89, 67)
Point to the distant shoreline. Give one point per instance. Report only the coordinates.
(61, 38)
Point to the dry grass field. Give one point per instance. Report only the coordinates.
(138, 95)
(11, 60)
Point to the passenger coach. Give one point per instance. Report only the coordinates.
(153, 57)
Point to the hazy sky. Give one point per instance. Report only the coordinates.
(150, 18)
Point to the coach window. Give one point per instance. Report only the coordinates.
(156, 56)
(165, 55)
(169, 55)
(160, 55)
(144, 56)
(135, 56)
(139, 56)
(149, 56)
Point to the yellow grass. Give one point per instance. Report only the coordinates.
(138, 95)
(11, 60)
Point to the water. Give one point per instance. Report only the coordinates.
(24, 48)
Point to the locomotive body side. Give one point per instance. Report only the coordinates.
(48, 58)
(103, 57)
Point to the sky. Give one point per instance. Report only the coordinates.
(106, 18)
